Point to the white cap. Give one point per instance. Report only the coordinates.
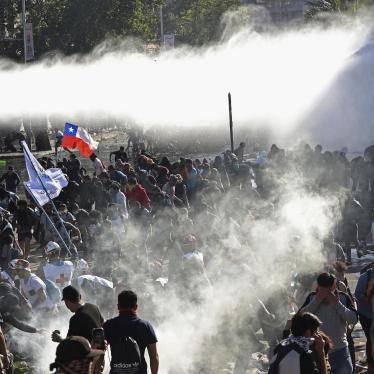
(51, 247)
(19, 264)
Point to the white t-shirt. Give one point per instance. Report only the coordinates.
(194, 256)
(120, 200)
(98, 166)
(60, 273)
(97, 281)
(30, 289)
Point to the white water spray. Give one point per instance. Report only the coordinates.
(274, 78)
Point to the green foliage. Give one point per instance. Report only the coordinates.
(21, 367)
(196, 21)
(77, 26)
(316, 9)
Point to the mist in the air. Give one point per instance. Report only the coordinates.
(276, 76)
(251, 250)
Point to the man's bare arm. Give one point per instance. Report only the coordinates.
(153, 358)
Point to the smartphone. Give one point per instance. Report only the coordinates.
(98, 337)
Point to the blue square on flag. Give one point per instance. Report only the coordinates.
(70, 129)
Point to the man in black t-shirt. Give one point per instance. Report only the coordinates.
(12, 180)
(119, 155)
(128, 324)
(86, 316)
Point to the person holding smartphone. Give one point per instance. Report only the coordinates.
(86, 316)
(303, 352)
(86, 319)
(336, 311)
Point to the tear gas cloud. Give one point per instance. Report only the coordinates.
(275, 78)
(251, 260)
(251, 249)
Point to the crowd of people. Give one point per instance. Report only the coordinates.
(146, 219)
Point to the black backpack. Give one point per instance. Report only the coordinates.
(282, 351)
(126, 357)
(368, 268)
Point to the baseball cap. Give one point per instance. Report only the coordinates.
(189, 239)
(51, 247)
(19, 264)
(70, 293)
(75, 348)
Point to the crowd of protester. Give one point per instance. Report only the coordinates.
(152, 214)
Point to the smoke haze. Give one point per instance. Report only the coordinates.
(251, 249)
(276, 78)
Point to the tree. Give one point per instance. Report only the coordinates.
(77, 26)
(196, 22)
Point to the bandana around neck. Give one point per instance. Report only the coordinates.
(127, 312)
(301, 341)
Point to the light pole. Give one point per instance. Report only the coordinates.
(161, 26)
(231, 124)
(27, 127)
(24, 28)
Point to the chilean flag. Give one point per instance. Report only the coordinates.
(76, 137)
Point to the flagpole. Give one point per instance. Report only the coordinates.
(49, 198)
(231, 124)
(49, 220)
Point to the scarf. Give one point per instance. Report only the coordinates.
(127, 312)
(301, 341)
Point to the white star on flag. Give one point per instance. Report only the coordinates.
(71, 129)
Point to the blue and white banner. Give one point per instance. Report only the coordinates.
(40, 180)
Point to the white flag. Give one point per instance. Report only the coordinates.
(40, 180)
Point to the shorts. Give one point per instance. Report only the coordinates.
(22, 236)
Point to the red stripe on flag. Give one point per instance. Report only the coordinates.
(76, 143)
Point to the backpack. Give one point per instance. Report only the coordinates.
(126, 357)
(367, 268)
(282, 351)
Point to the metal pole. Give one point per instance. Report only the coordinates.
(231, 124)
(51, 201)
(161, 26)
(49, 220)
(24, 28)
(24, 47)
